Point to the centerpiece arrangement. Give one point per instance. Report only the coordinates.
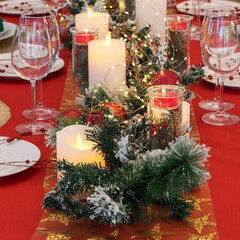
(140, 152)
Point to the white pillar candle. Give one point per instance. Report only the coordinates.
(185, 113)
(152, 12)
(106, 62)
(73, 146)
(98, 20)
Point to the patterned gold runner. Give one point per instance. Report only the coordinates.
(55, 226)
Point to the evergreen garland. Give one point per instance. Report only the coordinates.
(136, 174)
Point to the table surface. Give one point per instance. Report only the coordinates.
(21, 194)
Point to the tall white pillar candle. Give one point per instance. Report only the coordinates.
(185, 113)
(97, 20)
(73, 146)
(106, 62)
(152, 12)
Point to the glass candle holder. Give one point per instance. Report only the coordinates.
(178, 28)
(81, 36)
(165, 113)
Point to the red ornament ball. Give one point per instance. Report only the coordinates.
(117, 109)
(94, 118)
(71, 114)
(165, 77)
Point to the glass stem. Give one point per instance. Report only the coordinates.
(33, 98)
(40, 97)
(216, 90)
(221, 87)
(198, 8)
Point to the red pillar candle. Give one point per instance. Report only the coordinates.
(84, 37)
(166, 100)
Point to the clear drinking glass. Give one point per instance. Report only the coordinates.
(197, 26)
(43, 18)
(31, 58)
(222, 55)
(210, 105)
(55, 4)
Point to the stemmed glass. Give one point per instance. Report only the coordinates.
(210, 105)
(31, 58)
(221, 52)
(43, 18)
(196, 28)
(55, 4)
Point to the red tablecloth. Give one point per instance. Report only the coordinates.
(21, 194)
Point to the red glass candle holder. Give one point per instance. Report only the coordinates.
(81, 36)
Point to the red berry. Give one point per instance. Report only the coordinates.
(43, 130)
(231, 78)
(153, 130)
(48, 160)
(79, 65)
(165, 125)
(80, 50)
(27, 161)
(210, 77)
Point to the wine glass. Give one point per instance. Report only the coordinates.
(210, 105)
(45, 18)
(222, 54)
(31, 58)
(55, 4)
(196, 28)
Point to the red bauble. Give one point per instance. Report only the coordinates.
(117, 109)
(71, 114)
(94, 118)
(166, 77)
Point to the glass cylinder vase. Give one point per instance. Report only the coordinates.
(81, 36)
(178, 28)
(165, 113)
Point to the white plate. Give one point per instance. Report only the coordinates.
(6, 70)
(13, 156)
(235, 83)
(5, 28)
(11, 30)
(17, 7)
(187, 6)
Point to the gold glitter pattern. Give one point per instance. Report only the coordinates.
(58, 236)
(56, 217)
(199, 223)
(205, 237)
(112, 236)
(155, 233)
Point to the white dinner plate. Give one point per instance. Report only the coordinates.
(13, 156)
(5, 28)
(234, 83)
(10, 30)
(187, 6)
(6, 70)
(17, 7)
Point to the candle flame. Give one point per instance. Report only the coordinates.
(108, 38)
(86, 30)
(163, 91)
(90, 12)
(79, 142)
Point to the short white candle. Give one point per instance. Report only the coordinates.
(98, 20)
(73, 146)
(185, 113)
(152, 12)
(106, 62)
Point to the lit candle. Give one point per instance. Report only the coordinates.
(97, 20)
(166, 100)
(185, 113)
(107, 59)
(73, 146)
(152, 12)
(84, 36)
(178, 24)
